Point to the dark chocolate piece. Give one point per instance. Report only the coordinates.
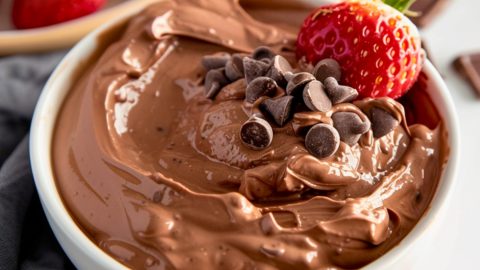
(469, 66)
(214, 81)
(350, 126)
(427, 10)
(298, 81)
(322, 140)
(256, 133)
(262, 52)
(339, 93)
(327, 68)
(261, 86)
(234, 67)
(215, 61)
(382, 122)
(280, 109)
(254, 68)
(280, 66)
(315, 98)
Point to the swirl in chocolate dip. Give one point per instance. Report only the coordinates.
(156, 174)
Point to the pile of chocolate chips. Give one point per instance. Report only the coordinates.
(267, 74)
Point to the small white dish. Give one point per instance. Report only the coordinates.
(86, 255)
(62, 35)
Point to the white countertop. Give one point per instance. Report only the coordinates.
(455, 244)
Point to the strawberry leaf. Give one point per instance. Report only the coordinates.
(400, 5)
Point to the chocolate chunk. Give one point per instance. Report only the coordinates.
(327, 68)
(262, 52)
(426, 11)
(339, 93)
(280, 66)
(382, 122)
(261, 86)
(256, 133)
(234, 67)
(298, 81)
(322, 140)
(254, 68)
(315, 98)
(280, 109)
(214, 81)
(349, 126)
(469, 66)
(215, 61)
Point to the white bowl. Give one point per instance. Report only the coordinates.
(86, 255)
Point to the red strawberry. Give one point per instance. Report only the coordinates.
(38, 13)
(378, 48)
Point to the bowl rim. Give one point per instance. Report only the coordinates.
(43, 123)
(435, 211)
(57, 88)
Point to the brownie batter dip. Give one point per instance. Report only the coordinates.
(154, 169)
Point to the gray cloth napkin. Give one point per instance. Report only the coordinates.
(26, 240)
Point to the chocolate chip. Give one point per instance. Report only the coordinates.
(382, 122)
(254, 68)
(280, 66)
(215, 61)
(267, 61)
(298, 81)
(214, 81)
(261, 86)
(288, 75)
(339, 93)
(315, 98)
(262, 52)
(280, 109)
(234, 67)
(327, 68)
(322, 140)
(350, 126)
(256, 133)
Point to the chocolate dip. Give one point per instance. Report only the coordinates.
(156, 175)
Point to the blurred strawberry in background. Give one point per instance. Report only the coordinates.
(38, 13)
